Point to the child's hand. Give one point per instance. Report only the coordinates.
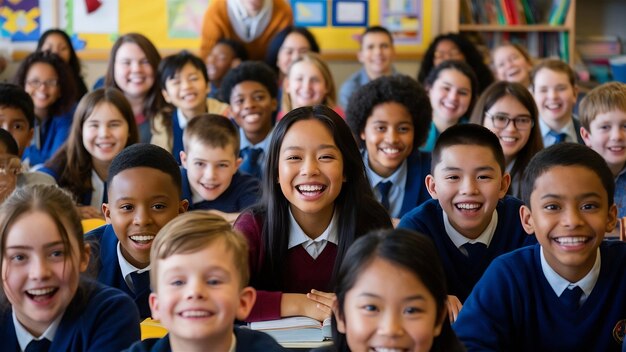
(454, 307)
(324, 300)
(293, 304)
(89, 212)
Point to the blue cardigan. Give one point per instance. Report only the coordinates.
(244, 190)
(52, 134)
(105, 320)
(247, 341)
(514, 308)
(462, 273)
(104, 257)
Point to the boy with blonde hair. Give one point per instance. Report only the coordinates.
(603, 119)
(199, 280)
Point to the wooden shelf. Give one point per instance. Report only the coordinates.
(511, 28)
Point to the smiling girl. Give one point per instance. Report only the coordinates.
(316, 201)
(103, 126)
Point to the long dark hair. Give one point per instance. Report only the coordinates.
(358, 210)
(516, 90)
(472, 56)
(74, 63)
(409, 250)
(273, 49)
(72, 162)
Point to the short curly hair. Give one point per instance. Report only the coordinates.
(400, 89)
(249, 71)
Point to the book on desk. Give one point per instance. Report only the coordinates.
(295, 329)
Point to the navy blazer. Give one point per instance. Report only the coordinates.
(104, 257)
(105, 320)
(415, 191)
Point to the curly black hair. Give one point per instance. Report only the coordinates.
(248, 71)
(472, 56)
(400, 89)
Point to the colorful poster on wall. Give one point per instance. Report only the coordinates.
(20, 20)
(309, 13)
(403, 18)
(93, 16)
(184, 18)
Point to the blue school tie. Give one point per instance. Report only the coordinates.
(250, 162)
(476, 250)
(140, 280)
(383, 188)
(558, 136)
(42, 345)
(571, 298)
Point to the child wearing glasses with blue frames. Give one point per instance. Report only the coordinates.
(508, 110)
(48, 81)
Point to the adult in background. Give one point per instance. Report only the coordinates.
(252, 22)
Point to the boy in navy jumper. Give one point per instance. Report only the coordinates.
(211, 179)
(469, 218)
(251, 90)
(200, 281)
(390, 117)
(144, 192)
(566, 293)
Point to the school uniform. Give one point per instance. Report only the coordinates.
(244, 190)
(308, 265)
(246, 340)
(620, 193)
(571, 133)
(113, 270)
(48, 138)
(520, 305)
(407, 189)
(94, 198)
(171, 137)
(254, 156)
(463, 269)
(105, 320)
(433, 135)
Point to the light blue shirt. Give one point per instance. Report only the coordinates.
(24, 337)
(398, 183)
(264, 145)
(559, 284)
(568, 129)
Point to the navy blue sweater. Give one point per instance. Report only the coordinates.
(247, 341)
(461, 272)
(104, 320)
(244, 190)
(514, 308)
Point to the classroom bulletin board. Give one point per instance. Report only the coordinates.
(173, 25)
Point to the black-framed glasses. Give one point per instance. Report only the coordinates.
(501, 121)
(35, 83)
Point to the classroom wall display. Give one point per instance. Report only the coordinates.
(173, 25)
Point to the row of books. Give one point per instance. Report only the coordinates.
(538, 44)
(596, 53)
(513, 12)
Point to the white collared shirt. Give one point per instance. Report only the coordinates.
(568, 129)
(398, 184)
(24, 337)
(127, 268)
(264, 145)
(97, 195)
(459, 240)
(559, 284)
(313, 246)
(182, 120)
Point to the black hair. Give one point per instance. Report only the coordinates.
(567, 154)
(469, 134)
(472, 56)
(74, 63)
(273, 49)
(240, 51)
(462, 67)
(171, 65)
(248, 71)
(400, 89)
(9, 142)
(376, 29)
(146, 155)
(409, 250)
(13, 96)
(357, 209)
(65, 83)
